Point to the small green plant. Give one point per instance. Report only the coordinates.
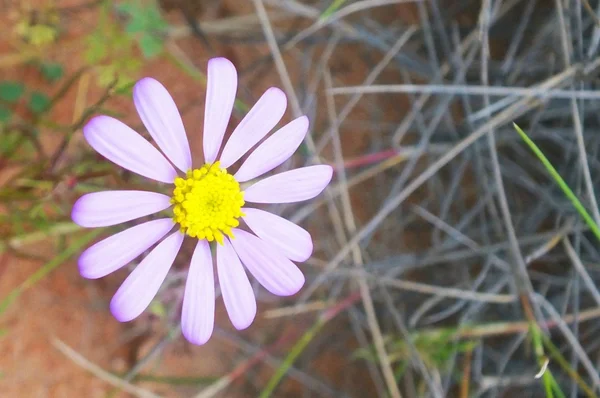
(11, 93)
(110, 48)
(435, 349)
(109, 54)
(38, 27)
(146, 26)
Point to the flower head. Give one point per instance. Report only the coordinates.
(208, 204)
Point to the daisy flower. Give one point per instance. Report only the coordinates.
(207, 204)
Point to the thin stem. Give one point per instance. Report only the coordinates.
(561, 183)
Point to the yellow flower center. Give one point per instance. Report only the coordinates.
(207, 203)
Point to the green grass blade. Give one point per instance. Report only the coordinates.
(58, 229)
(332, 8)
(292, 356)
(561, 183)
(557, 356)
(303, 342)
(74, 248)
(555, 386)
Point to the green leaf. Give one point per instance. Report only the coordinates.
(143, 18)
(10, 143)
(125, 88)
(38, 102)
(5, 114)
(52, 72)
(42, 34)
(130, 65)
(150, 46)
(136, 25)
(11, 91)
(38, 211)
(158, 309)
(127, 8)
(121, 44)
(155, 20)
(96, 48)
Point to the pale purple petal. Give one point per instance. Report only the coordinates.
(101, 209)
(290, 186)
(121, 145)
(140, 287)
(272, 269)
(198, 313)
(261, 119)
(238, 295)
(274, 151)
(120, 249)
(159, 113)
(221, 86)
(292, 241)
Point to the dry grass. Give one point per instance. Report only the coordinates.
(440, 241)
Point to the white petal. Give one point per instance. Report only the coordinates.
(221, 86)
(290, 186)
(293, 241)
(159, 114)
(101, 209)
(272, 269)
(238, 295)
(120, 249)
(198, 313)
(140, 287)
(261, 119)
(274, 151)
(121, 145)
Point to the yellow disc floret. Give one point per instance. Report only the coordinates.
(207, 203)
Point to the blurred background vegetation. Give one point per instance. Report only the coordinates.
(447, 262)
